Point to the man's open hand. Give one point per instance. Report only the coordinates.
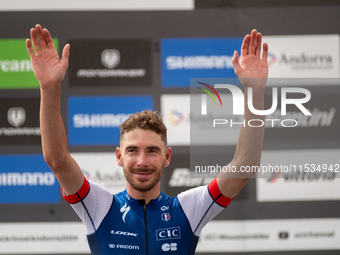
(250, 64)
(48, 67)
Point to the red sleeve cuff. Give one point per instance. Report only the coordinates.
(80, 195)
(217, 195)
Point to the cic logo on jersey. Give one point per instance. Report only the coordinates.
(210, 93)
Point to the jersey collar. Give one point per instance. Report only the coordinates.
(153, 202)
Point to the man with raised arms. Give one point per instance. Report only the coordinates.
(141, 219)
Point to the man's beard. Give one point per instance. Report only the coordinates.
(140, 186)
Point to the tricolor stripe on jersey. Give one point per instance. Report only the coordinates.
(80, 195)
(217, 195)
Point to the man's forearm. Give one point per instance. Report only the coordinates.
(53, 134)
(252, 70)
(248, 149)
(249, 146)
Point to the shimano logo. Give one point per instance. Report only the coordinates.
(168, 233)
(169, 247)
(105, 120)
(198, 62)
(23, 179)
(113, 232)
(16, 65)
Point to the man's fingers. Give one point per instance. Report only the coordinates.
(245, 45)
(35, 41)
(265, 52)
(252, 43)
(65, 56)
(235, 62)
(29, 48)
(258, 45)
(48, 38)
(41, 38)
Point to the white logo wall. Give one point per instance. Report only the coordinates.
(102, 168)
(38, 238)
(184, 122)
(303, 56)
(175, 114)
(78, 5)
(300, 186)
(270, 235)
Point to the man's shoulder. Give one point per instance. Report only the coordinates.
(193, 192)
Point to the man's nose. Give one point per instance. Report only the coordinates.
(142, 160)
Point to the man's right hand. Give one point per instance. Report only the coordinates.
(48, 67)
(50, 71)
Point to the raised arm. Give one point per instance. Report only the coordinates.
(50, 71)
(252, 71)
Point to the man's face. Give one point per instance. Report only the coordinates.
(143, 156)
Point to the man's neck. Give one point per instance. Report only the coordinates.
(145, 195)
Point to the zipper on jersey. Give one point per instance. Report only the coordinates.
(146, 231)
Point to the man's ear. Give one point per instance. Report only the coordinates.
(119, 157)
(168, 154)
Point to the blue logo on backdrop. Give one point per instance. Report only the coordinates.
(26, 179)
(183, 59)
(96, 120)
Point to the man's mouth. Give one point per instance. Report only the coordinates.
(142, 175)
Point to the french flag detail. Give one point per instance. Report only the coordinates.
(165, 216)
(80, 195)
(216, 194)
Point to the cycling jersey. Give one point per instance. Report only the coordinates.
(119, 224)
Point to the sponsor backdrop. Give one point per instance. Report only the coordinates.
(102, 168)
(295, 56)
(183, 59)
(19, 120)
(127, 57)
(96, 120)
(110, 63)
(27, 179)
(16, 71)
